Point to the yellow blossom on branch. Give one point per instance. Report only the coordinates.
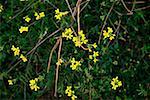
(116, 83)
(23, 29)
(80, 39)
(39, 16)
(95, 54)
(67, 33)
(95, 60)
(110, 30)
(1, 8)
(94, 45)
(105, 34)
(33, 84)
(15, 50)
(77, 41)
(10, 82)
(112, 37)
(74, 64)
(59, 15)
(73, 97)
(70, 93)
(27, 19)
(24, 59)
(109, 34)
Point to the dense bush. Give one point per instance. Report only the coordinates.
(74, 49)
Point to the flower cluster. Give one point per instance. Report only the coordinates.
(39, 16)
(80, 39)
(67, 33)
(11, 82)
(1, 8)
(16, 51)
(59, 15)
(33, 84)
(116, 83)
(23, 29)
(108, 34)
(74, 64)
(27, 19)
(90, 46)
(70, 93)
(94, 56)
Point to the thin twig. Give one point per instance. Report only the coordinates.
(57, 68)
(142, 8)
(129, 12)
(43, 41)
(105, 21)
(137, 2)
(50, 56)
(34, 48)
(78, 14)
(70, 10)
(84, 5)
(20, 12)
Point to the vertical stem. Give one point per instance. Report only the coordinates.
(78, 14)
(57, 68)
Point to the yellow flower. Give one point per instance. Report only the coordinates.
(68, 91)
(112, 37)
(27, 19)
(10, 82)
(90, 50)
(82, 36)
(90, 56)
(57, 11)
(77, 41)
(23, 29)
(15, 50)
(67, 33)
(68, 88)
(105, 34)
(94, 45)
(115, 83)
(39, 16)
(40, 78)
(33, 84)
(58, 14)
(36, 87)
(119, 83)
(24, 59)
(36, 79)
(72, 60)
(74, 64)
(73, 97)
(1, 8)
(42, 14)
(60, 61)
(109, 30)
(95, 54)
(108, 34)
(95, 60)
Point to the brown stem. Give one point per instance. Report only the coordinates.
(105, 22)
(50, 56)
(57, 68)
